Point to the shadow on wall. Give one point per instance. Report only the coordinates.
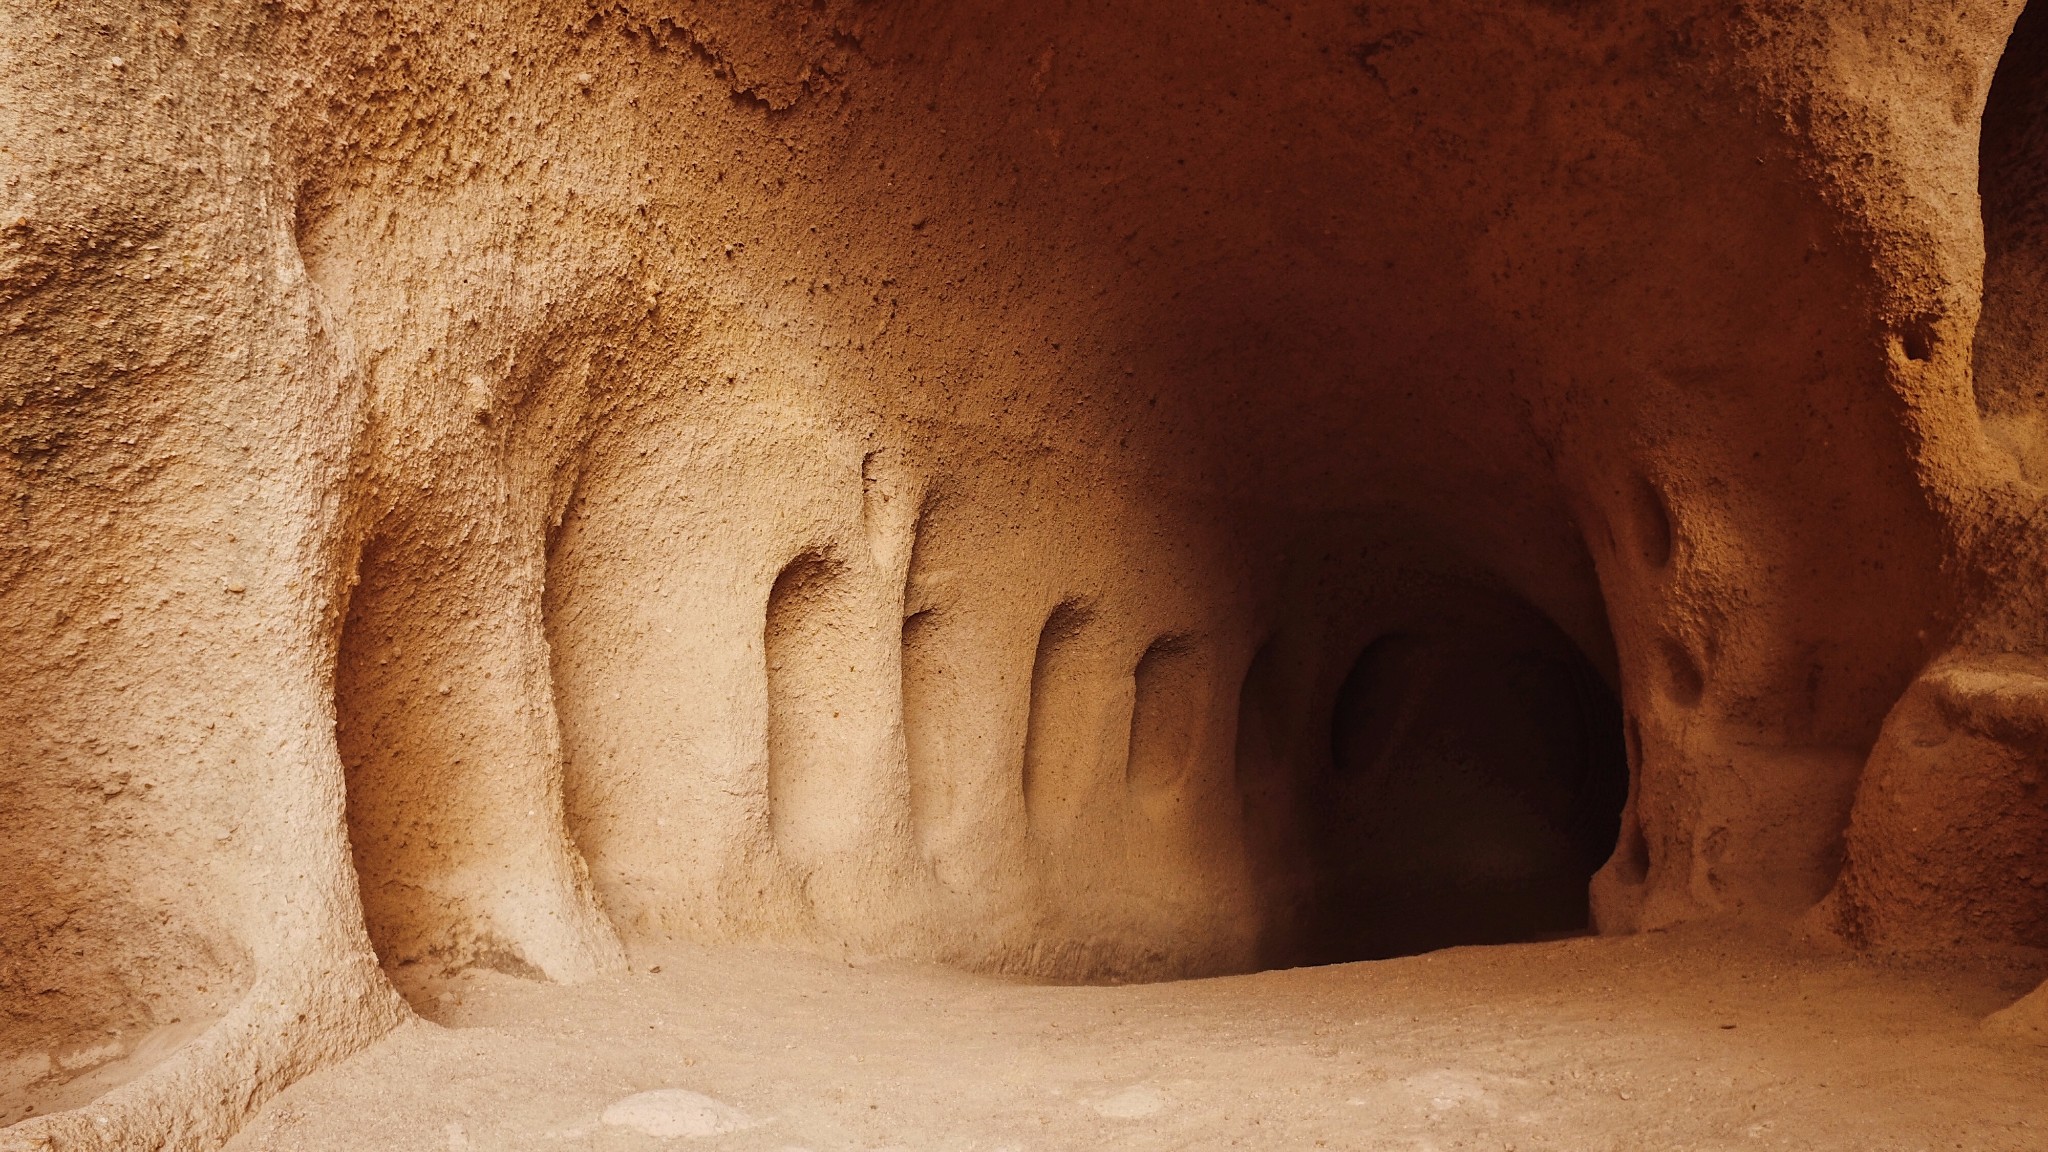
(1475, 782)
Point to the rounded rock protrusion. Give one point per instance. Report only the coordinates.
(674, 1112)
(1945, 845)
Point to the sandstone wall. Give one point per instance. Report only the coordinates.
(494, 484)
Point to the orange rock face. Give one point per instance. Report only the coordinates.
(1088, 491)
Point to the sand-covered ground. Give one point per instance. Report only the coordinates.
(1690, 1040)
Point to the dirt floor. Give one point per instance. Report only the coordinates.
(1686, 1040)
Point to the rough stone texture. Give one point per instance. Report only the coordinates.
(496, 484)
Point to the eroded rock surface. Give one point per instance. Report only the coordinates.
(497, 485)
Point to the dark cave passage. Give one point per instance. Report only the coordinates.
(1476, 777)
(2012, 178)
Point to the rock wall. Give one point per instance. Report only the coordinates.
(490, 484)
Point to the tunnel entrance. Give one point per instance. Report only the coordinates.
(1476, 777)
(2012, 180)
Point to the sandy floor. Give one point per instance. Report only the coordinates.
(1687, 1041)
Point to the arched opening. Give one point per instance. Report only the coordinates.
(801, 649)
(1165, 704)
(1476, 780)
(2012, 181)
(1060, 740)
